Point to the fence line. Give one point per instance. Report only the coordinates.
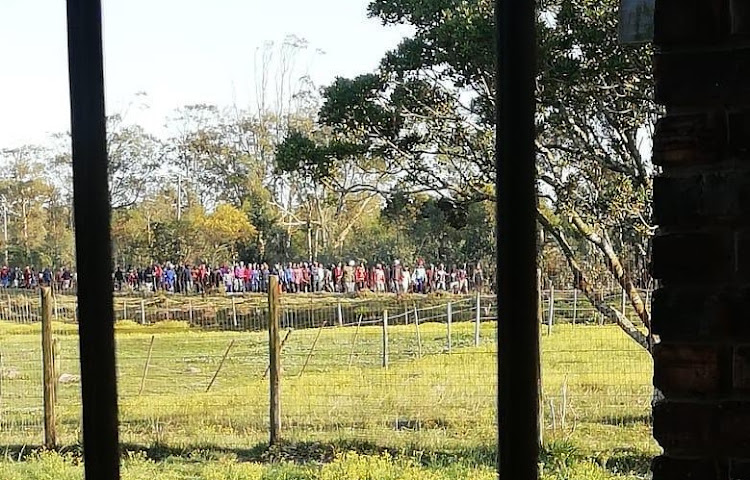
(250, 312)
(182, 384)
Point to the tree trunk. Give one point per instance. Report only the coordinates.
(309, 238)
(614, 265)
(584, 286)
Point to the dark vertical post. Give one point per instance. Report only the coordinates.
(518, 328)
(48, 371)
(274, 360)
(93, 247)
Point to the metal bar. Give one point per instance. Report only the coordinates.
(93, 246)
(518, 328)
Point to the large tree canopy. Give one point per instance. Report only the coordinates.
(425, 121)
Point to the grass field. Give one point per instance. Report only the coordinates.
(429, 415)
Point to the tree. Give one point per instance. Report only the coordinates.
(25, 190)
(223, 229)
(425, 121)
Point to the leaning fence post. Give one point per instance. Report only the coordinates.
(449, 325)
(477, 319)
(354, 340)
(145, 367)
(274, 350)
(50, 435)
(385, 338)
(551, 316)
(340, 314)
(221, 364)
(312, 348)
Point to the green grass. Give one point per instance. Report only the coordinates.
(426, 416)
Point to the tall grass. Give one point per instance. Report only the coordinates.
(427, 416)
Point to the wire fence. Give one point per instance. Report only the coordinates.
(409, 371)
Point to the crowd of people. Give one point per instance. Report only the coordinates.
(303, 277)
(297, 277)
(28, 277)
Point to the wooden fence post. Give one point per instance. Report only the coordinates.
(449, 325)
(354, 340)
(143, 312)
(551, 316)
(124, 309)
(234, 313)
(283, 342)
(622, 304)
(385, 338)
(145, 367)
(419, 335)
(221, 364)
(50, 434)
(274, 350)
(190, 312)
(575, 305)
(56, 363)
(477, 319)
(340, 314)
(540, 319)
(312, 348)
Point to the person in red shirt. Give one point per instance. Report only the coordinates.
(338, 275)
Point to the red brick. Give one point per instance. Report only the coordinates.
(678, 200)
(714, 198)
(740, 17)
(741, 368)
(686, 140)
(693, 258)
(685, 428)
(703, 79)
(739, 470)
(738, 131)
(687, 369)
(732, 435)
(667, 468)
(742, 262)
(689, 313)
(690, 21)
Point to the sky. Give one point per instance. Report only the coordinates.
(177, 52)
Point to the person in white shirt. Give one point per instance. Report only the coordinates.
(420, 276)
(405, 280)
(440, 277)
(379, 275)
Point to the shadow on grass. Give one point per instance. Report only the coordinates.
(625, 420)
(629, 462)
(295, 452)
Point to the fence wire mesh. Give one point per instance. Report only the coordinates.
(418, 370)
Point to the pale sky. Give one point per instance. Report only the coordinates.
(178, 52)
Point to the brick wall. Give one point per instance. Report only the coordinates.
(701, 253)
